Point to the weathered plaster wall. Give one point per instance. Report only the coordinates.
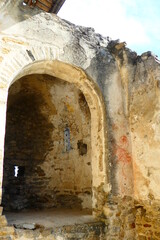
(122, 93)
(145, 133)
(49, 52)
(54, 169)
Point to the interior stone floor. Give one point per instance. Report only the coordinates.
(50, 218)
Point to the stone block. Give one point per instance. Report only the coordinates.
(3, 221)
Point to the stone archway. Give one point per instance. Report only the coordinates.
(92, 94)
(47, 160)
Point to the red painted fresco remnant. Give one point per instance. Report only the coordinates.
(124, 164)
(121, 150)
(122, 155)
(124, 140)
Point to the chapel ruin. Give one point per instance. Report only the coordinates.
(80, 134)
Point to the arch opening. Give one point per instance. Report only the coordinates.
(47, 159)
(89, 95)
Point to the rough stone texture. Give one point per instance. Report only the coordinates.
(94, 231)
(122, 93)
(54, 171)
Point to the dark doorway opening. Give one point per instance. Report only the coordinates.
(47, 160)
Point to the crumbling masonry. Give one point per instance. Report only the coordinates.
(79, 128)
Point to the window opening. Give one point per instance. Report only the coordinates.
(67, 143)
(19, 171)
(16, 169)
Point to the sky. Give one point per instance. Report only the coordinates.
(137, 22)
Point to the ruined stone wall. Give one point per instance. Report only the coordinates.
(144, 122)
(137, 217)
(54, 168)
(90, 231)
(122, 93)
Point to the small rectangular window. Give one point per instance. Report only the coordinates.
(19, 171)
(67, 143)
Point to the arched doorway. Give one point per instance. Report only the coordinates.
(47, 160)
(92, 94)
